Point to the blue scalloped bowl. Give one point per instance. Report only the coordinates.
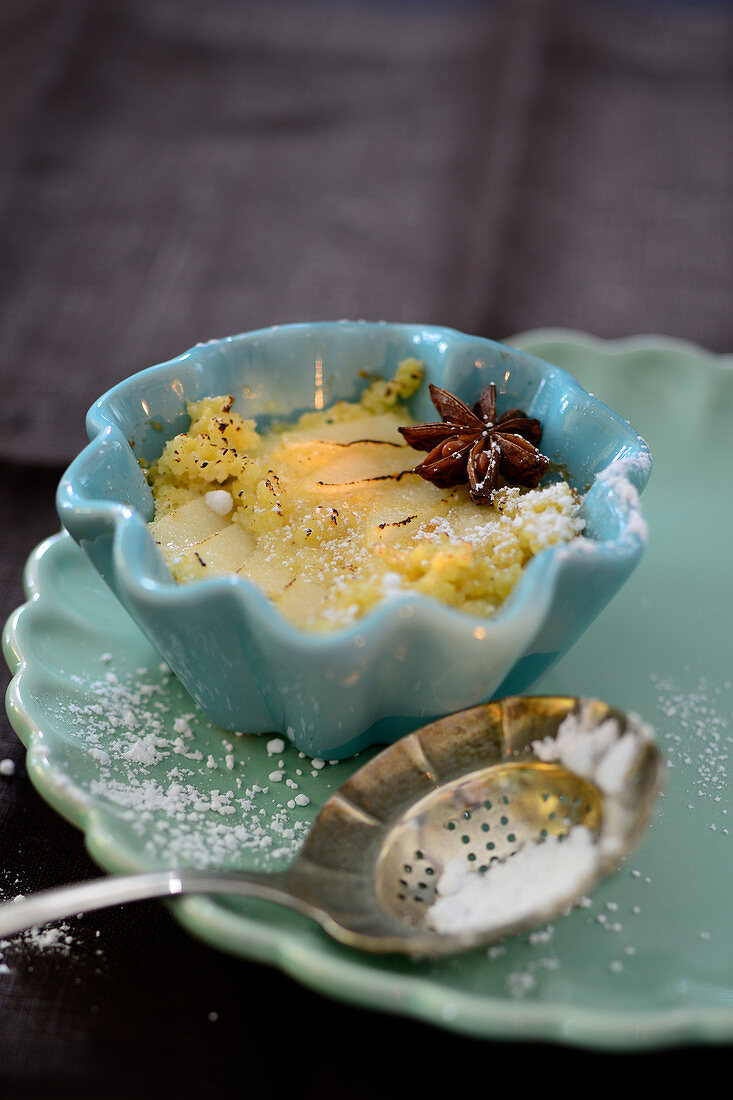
(411, 659)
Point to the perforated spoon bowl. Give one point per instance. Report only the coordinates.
(474, 785)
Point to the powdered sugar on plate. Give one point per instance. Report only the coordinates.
(698, 744)
(192, 793)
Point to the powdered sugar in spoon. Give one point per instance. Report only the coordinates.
(485, 823)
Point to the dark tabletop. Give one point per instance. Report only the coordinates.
(175, 170)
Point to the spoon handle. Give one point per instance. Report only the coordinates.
(86, 897)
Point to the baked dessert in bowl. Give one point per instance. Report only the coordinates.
(383, 664)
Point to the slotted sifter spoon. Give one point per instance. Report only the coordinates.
(468, 786)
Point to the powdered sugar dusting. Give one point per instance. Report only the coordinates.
(597, 751)
(616, 478)
(59, 941)
(540, 874)
(179, 784)
(698, 742)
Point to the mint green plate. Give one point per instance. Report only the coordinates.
(118, 748)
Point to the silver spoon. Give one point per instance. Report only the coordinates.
(470, 786)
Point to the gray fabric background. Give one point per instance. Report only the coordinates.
(175, 170)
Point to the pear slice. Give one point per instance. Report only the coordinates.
(224, 551)
(187, 525)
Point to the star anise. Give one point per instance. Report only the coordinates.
(472, 445)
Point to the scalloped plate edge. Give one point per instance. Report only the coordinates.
(621, 345)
